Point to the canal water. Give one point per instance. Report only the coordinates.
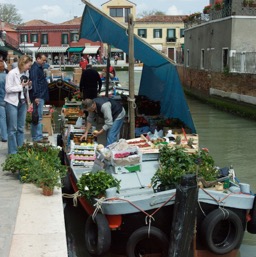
(231, 140)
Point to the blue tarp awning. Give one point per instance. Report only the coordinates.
(160, 80)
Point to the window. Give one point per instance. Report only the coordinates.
(44, 39)
(202, 59)
(181, 32)
(142, 33)
(171, 35)
(127, 12)
(157, 33)
(34, 38)
(64, 38)
(224, 59)
(116, 12)
(24, 38)
(74, 37)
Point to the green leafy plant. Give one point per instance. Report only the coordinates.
(176, 162)
(93, 185)
(34, 162)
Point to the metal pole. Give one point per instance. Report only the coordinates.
(107, 71)
(131, 77)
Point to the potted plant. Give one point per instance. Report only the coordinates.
(37, 163)
(47, 177)
(218, 5)
(93, 185)
(207, 9)
(176, 162)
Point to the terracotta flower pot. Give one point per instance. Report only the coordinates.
(47, 191)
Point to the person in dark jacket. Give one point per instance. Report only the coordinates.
(111, 111)
(38, 95)
(90, 83)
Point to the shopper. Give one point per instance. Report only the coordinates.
(38, 96)
(16, 87)
(90, 83)
(3, 124)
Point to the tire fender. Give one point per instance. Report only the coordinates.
(222, 231)
(251, 225)
(144, 233)
(97, 235)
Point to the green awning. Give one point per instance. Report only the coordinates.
(75, 49)
(6, 48)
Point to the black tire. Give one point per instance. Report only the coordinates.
(251, 225)
(222, 230)
(141, 242)
(97, 235)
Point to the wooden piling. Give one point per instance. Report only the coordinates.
(184, 218)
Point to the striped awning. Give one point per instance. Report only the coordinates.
(52, 49)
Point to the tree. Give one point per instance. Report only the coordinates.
(9, 14)
(150, 13)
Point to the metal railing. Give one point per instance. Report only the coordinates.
(243, 62)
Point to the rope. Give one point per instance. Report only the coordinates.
(98, 208)
(217, 201)
(74, 196)
(149, 217)
(132, 100)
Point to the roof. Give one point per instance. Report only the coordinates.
(111, 1)
(37, 23)
(162, 18)
(75, 21)
(52, 49)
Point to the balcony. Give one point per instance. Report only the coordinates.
(234, 8)
(171, 39)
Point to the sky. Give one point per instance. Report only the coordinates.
(57, 11)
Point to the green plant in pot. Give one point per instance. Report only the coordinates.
(93, 185)
(176, 162)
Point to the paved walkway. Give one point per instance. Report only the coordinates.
(31, 225)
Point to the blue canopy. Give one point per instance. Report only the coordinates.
(160, 80)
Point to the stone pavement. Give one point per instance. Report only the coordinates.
(31, 225)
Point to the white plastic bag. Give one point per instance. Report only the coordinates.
(79, 122)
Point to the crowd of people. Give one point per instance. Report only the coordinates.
(25, 84)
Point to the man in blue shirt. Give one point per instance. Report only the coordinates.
(38, 95)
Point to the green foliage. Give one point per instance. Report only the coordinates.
(149, 13)
(176, 162)
(9, 13)
(39, 164)
(92, 185)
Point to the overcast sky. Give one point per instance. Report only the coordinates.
(58, 11)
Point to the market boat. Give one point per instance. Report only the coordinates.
(137, 218)
(60, 87)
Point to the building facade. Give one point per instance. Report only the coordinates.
(60, 42)
(223, 39)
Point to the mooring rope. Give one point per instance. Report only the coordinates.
(132, 100)
(74, 196)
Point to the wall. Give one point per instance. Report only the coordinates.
(241, 87)
(212, 37)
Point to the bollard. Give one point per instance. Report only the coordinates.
(184, 217)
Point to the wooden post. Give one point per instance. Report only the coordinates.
(131, 76)
(184, 217)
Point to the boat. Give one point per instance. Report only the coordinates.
(60, 88)
(137, 220)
